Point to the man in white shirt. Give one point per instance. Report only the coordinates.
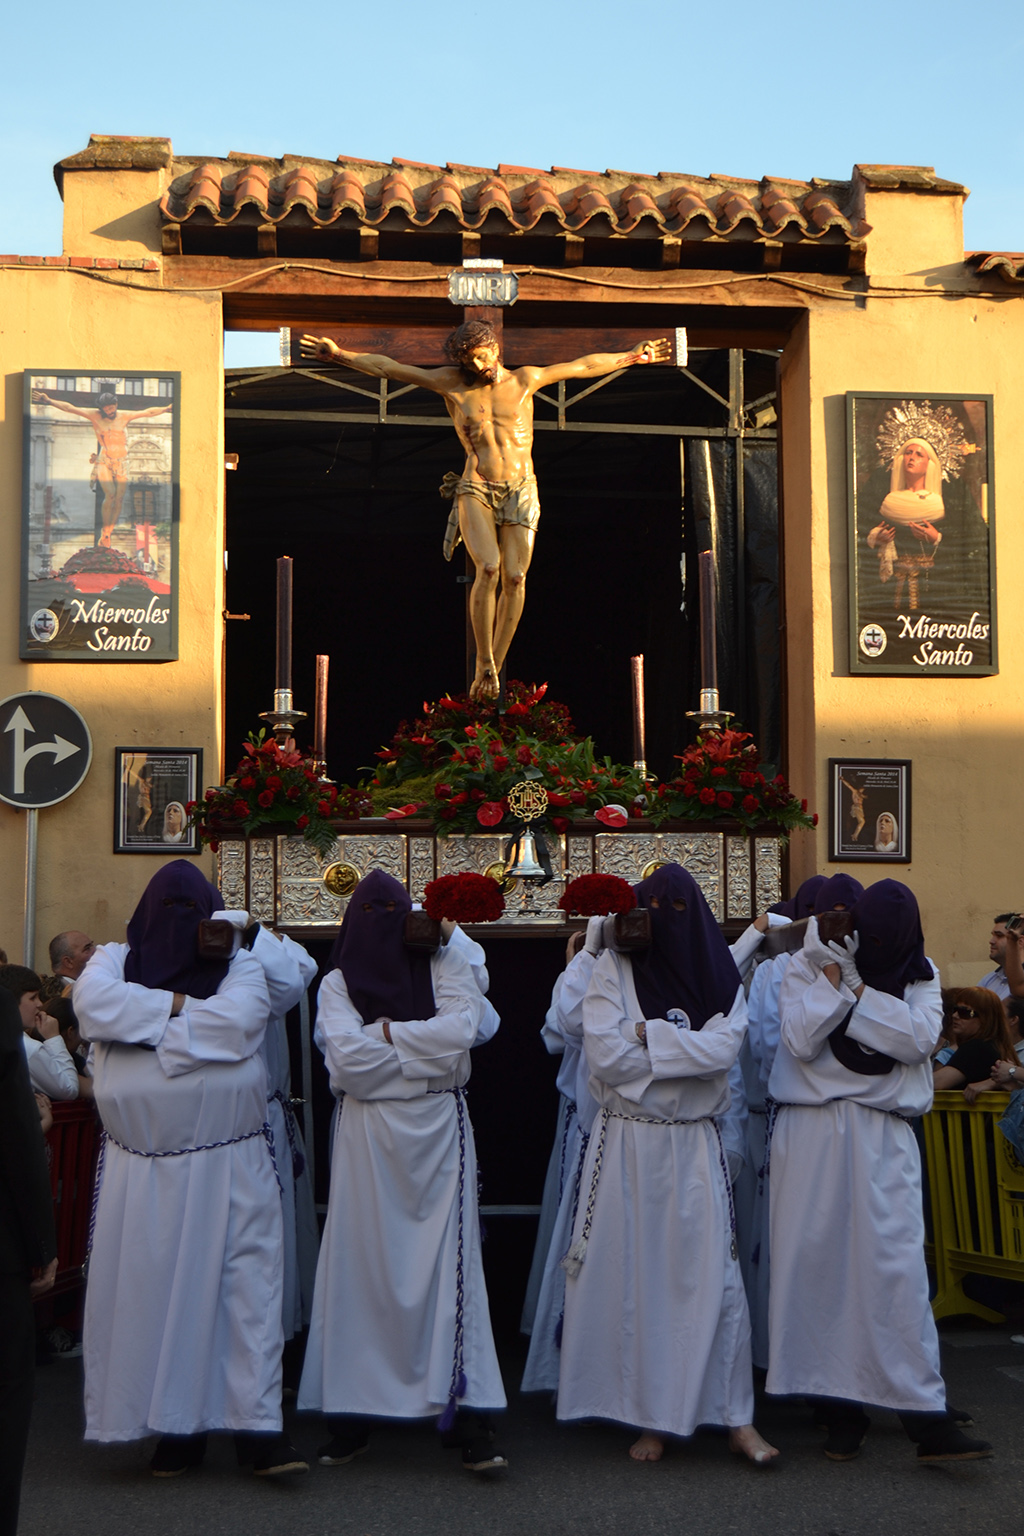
(50, 1066)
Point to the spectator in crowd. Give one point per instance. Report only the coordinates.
(1009, 1072)
(70, 954)
(28, 1247)
(49, 1063)
(62, 1009)
(996, 980)
(183, 1308)
(981, 1036)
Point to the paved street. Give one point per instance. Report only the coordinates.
(563, 1481)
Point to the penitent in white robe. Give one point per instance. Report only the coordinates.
(849, 1311)
(288, 971)
(565, 1016)
(383, 1333)
(656, 1328)
(183, 1301)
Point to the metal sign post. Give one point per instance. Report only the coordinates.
(45, 753)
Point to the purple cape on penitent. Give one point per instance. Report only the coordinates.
(838, 891)
(384, 979)
(802, 904)
(890, 954)
(688, 965)
(163, 933)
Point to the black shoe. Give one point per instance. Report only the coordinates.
(846, 1435)
(343, 1448)
(482, 1455)
(959, 1416)
(175, 1454)
(279, 1458)
(950, 1444)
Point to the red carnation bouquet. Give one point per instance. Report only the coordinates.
(597, 895)
(465, 898)
(270, 787)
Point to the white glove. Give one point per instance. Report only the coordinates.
(239, 920)
(842, 954)
(818, 953)
(595, 935)
(447, 929)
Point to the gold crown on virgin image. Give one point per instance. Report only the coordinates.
(936, 424)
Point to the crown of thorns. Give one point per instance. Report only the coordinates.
(935, 424)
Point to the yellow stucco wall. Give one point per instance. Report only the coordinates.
(963, 734)
(56, 320)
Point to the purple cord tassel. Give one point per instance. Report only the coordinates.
(558, 1331)
(447, 1419)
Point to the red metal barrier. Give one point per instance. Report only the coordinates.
(73, 1145)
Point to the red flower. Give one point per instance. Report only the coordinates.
(612, 816)
(273, 782)
(190, 807)
(211, 794)
(473, 754)
(476, 794)
(465, 898)
(302, 823)
(460, 798)
(240, 809)
(398, 812)
(814, 822)
(470, 731)
(724, 799)
(247, 783)
(266, 798)
(500, 761)
(213, 845)
(662, 791)
(719, 773)
(748, 780)
(707, 797)
(597, 895)
(324, 807)
(517, 709)
(490, 813)
(557, 799)
(446, 813)
(578, 797)
(442, 791)
(560, 823)
(293, 792)
(750, 803)
(803, 805)
(524, 755)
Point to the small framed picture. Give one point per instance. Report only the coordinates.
(869, 810)
(153, 787)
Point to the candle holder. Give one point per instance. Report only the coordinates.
(284, 716)
(709, 716)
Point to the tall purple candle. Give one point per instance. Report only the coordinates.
(284, 622)
(639, 732)
(320, 724)
(708, 642)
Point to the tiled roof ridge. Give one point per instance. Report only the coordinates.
(616, 202)
(1008, 264)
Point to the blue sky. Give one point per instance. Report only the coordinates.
(787, 89)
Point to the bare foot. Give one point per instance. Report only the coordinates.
(485, 684)
(648, 1448)
(747, 1442)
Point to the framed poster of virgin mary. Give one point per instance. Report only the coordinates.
(922, 535)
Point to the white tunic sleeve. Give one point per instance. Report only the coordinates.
(706, 1052)
(461, 946)
(229, 1026)
(575, 981)
(287, 970)
(745, 948)
(110, 1008)
(432, 1047)
(905, 1028)
(51, 1068)
(810, 1008)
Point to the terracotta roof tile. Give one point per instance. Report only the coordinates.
(733, 208)
(915, 178)
(1008, 264)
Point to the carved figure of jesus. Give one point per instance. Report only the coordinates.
(496, 509)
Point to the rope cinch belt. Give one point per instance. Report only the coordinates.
(774, 1106)
(210, 1146)
(575, 1258)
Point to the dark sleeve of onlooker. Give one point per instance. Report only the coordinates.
(975, 1059)
(27, 1236)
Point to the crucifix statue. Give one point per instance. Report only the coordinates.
(495, 508)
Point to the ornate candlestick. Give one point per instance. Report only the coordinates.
(639, 732)
(284, 716)
(709, 715)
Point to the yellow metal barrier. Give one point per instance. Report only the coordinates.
(976, 1189)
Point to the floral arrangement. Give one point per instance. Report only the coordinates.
(465, 898)
(597, 895)
(271, 786)
(720, 777)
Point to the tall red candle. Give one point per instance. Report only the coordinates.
(284, 622)
(639, 732)
(708, 639)
(320, 723)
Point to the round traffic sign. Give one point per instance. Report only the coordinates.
(45, 750)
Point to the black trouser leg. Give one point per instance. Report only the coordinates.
(17, 1375)
(840, 1412)
(344, 1424)
(919, 1426)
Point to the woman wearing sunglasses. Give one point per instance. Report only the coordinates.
(980, 1033)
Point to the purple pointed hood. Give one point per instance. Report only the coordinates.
(839, 890)
(890, 954)
(384, 979)
(163, 933)
(802, 904)
(688, 965)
